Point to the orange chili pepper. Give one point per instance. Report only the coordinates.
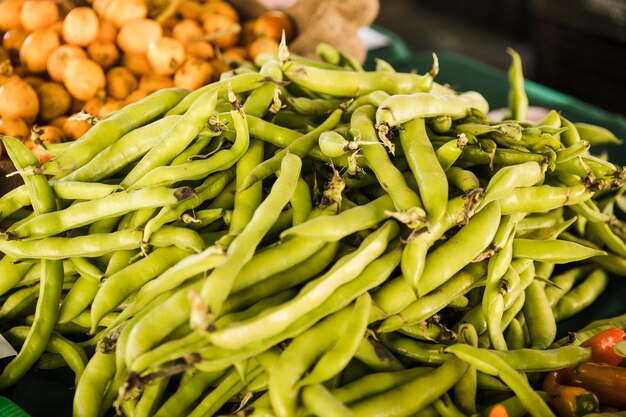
(569, 401)
(602, 346)
(498, 410)
(607, 382)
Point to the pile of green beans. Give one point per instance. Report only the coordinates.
(304, 238)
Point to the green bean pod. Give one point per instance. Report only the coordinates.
(488, 362)
(332, 228)
(511, 177)
(542, 198)
(554, 251)
(400, 108)
(517, 99)
(86, 212)
(78, 298)
(401, 400)
(92, 385)
(199, 169)
(449, 258)
(430, 176)
(596, 135)
(337, 358)
(582, 295)
(302, 353)
(127, 149)
(341, 83)
(311, 296)
(540, 320)
(403, 313)
(62, 247)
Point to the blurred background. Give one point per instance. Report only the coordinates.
(577, 47)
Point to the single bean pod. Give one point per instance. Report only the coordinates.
(429, 174)
(582, 295)
(64, 247)
(341, 83)
(554, 251)
(508, 178)
(332, 228)
(400, 108)
(596, 135)
(517, 99)
(543, 360)
(540, 320)
(113, 205)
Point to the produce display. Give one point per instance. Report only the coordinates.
(62, 65)
(309, 238)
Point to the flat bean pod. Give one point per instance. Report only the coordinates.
(553, 251)
(332, 228)
(123, 283)
(430, 176)
(400, 108)
(341, 83)
(401, 400)
(488, 362)
(63, 247)
(449, 258)
(113, 205)
(156, 174)
(239, 83)
(220, 281)
(109, 130)
(373, 275)
(311, 296)
(177, 138)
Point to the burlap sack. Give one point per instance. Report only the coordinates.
(331, 21)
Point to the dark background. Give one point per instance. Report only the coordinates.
(577, 47)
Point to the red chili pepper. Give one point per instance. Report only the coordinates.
(607, 382)
(569, 401)
(602, 346)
